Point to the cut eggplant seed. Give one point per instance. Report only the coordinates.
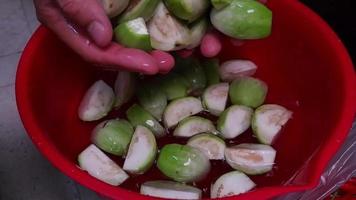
(211, 68)
(125, 85)
(191, 126)
(167, 33)
(248, 91)
(114, 7)
(243, 19)
(139, 8)
(142, 151)
(230, 184)
(251, 159)
(97, 102)
(152, 99)
(234, 121)
(138, 116)
(215, 98)
(170, 190)
(233, 69)
(133, 34)
(183, 163)
(268, 120)
(113, 136)
(180, 109)
(211, 145)
(100, 166)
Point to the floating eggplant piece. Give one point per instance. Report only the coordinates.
(133, 34)
(183, 163)
(167, 33)
(100, 166)
(248, 91)
(97, 102)
(234, 121)
(139, 8)
(113, 136)
(243, 19)
(170, 190)
(268, 120)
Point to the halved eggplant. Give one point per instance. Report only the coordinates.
(125, 86)
(211, 145)
(193, 125)
(215, 98)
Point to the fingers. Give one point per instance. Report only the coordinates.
(113, 55)
(210, 45)
(165, 61)
(90, 15)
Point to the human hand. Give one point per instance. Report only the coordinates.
(84, 27)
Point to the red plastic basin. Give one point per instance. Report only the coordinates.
(304, 63)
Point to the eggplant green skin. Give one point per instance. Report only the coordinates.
(211, 69)
(139, 116)
(139, 8)
(248, 91)
(113, 136)
(173, 85)
(152, 99)
(183, 163)
(185, 10)
(125, 36)
(192, 70)
(243, 19)
(219, 4)
(197, 32)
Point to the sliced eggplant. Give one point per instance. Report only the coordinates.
(167, 33)
(173, 85)
(142, 151)
(100, 166)
(231, 184)
(97, 102)
(193, 125)
(133, 34)
(248, 91)
(188, 10)
(234, 69)
(251, 159)
(243, 19)
(268, 120)
(215, 98)
(113, 136)
(219, 4)
(114, 7)
(211, 145)
(139, 116)
(170, 190)
(193, 72)
(234, 121)
(179, 109)
(197, 32)
(125, 85)
(183, 163)
(139, 8)
(211, 68)
(152, 99)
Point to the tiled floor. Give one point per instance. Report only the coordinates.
(24, 173)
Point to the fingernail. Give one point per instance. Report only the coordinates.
(97, 32)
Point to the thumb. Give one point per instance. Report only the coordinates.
(89, 14)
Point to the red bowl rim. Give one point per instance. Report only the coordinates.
(54, 156)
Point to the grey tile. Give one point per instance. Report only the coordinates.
(30, 15)
(14, 31)
(8, 66)
(24, 172)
